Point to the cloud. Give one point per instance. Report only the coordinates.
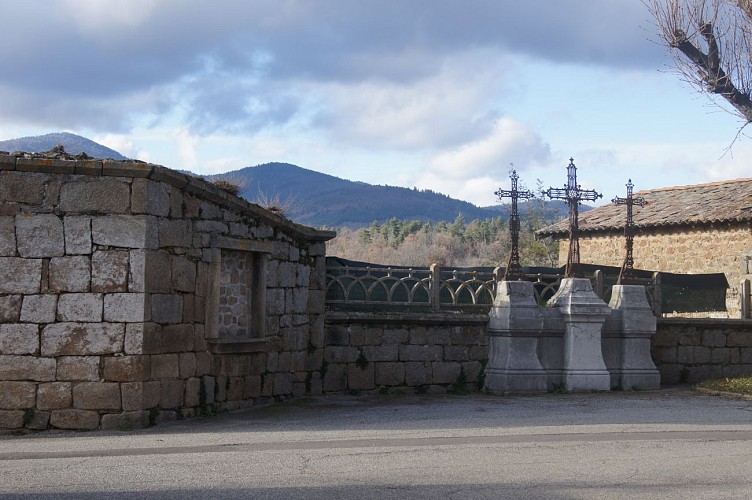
(508, 142)
(100, 62)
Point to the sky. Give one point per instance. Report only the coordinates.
(444, 95)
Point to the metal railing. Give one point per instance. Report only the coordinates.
(436, 288)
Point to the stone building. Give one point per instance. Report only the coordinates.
(130, 292)
(703, 228)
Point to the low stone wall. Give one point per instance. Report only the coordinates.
(690, 350)
(404, 352)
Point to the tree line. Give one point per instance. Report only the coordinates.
(459, 243)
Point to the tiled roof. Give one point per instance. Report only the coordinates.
(727, 201)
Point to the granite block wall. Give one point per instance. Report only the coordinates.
(111, 281)
(404, 352)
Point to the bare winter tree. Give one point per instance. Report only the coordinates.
(711, 41)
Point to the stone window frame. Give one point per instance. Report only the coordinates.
(256, 341)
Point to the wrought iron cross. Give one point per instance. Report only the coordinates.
(626, 275)
(513, 271)
(573, 194)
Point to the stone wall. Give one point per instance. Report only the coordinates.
(695, 250)
(404, 352)
(112, 277)
(690, 350)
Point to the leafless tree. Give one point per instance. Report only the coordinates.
(711, 41)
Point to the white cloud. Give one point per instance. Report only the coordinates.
(508, 142)
(101, 16)
(187, 148)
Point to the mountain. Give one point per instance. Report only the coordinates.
(73, 144)
(310, 197)
(318, 199)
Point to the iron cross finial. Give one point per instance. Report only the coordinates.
(573, 195)
(513, 271)
(626, 275)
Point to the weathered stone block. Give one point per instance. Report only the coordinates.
(17, 395)
(127, 368)
(335, 378)
(19, 339)
(299, 300)
(701, 354)
(714, 338)
(739, 339)
(341, 354)
(417, 374)
(235, 389)
(109, 271)
(287, 274)
(282, 384)
(126, 307)
(684, 354)
(381, 352)
(98, 195)
(39, 420)
(74, 419)
(166, 308)
(337, 335)
(39, 235)
(39, 308)
(360, 378)
(720, 355)
(96, 396)
(175, 233)
(80, 307)
(70, 274)
(70, 339)
(78, 368)
(54, 396)
(20, 275)
(183, 274)
(187, 365)
(11, 419)
(251, 387)
(125, 421)
(23, 187)
(419, 335)
(177, 338)
(172, 394)
(439, 336)
(149, 271)
(7, 236)
(420, 353)
(445, 372)
(77, 235)
(143, 338)
(149, 197)
(165, 366)
(389, 374)
(456, 353)
(192, 392)
(10, 308)
(126, 231)
(27, 368)
(369, 336)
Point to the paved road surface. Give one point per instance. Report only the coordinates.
(664, 444)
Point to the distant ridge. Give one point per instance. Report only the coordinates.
(315, 199)
(324, 200)
(73, 144)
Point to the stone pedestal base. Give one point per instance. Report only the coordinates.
(514, 325)
(583, 313)
(633, 323)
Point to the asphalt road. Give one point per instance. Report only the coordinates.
(664, 444)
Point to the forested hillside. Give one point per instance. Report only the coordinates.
(481, 242)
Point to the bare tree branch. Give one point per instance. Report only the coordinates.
(711, 41)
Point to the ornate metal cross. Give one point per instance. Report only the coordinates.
(626, 275)
(513, 271)
(573, 194)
